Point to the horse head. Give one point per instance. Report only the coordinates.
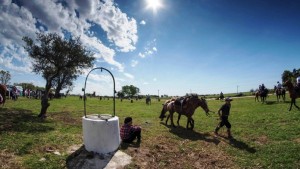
(167, 106)
(202, 103)
(288, 84)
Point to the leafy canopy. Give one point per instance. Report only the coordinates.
(58, 60)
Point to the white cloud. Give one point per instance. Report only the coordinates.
(15, 54)
(32, 16)
(15, 23)
(149, 49)
(120, 29)
(142, 55)
(134, 63)
(154, 79)
(143, 22)
(130, 76)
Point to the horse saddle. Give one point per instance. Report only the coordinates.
(180, 102)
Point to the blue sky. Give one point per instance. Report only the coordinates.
(182, 46)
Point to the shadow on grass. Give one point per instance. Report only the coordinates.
(124, 146)
(237, 144)
(241, 145)
(21, 120)
(190, 134)
(270, 102)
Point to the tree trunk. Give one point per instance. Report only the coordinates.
(57, 90)
(44, 102)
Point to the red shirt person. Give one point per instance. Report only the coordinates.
(129, 132)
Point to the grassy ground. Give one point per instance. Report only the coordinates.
(265, 135)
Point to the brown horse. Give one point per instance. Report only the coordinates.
(3, 94)
(185, 106)
(293, 94)
(257, 94)
(262, 94)
(280, 93)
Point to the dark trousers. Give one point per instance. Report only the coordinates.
(133, 136)
(224, 121)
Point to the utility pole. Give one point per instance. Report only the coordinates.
(237, 89)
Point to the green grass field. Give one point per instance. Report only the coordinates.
(265, 135)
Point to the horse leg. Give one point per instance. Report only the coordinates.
(167, 119)
(179, 115)
(296, 105)
(192, 123)
(292, 101)
(171, 116)
(187, 123)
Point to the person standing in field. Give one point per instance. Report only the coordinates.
(223, 113)
(128, 132)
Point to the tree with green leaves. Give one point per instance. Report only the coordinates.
(120, 94)
(4, 77)
(288, 75)
(56, 59)
(130, 91)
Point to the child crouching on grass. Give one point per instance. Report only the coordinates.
(129, 132)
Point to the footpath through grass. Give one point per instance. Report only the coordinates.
(265, 135)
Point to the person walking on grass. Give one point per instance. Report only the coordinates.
(224, 112)
(129, 132)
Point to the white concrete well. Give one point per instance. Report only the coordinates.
(101, 133)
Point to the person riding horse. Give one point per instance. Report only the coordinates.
(263, 92)
(279, 91)
(279, 86)
(262, 87)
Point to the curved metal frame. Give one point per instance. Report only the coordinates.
(84, 100)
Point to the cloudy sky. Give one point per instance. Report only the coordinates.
(168, 47)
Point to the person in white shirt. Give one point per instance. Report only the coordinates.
(279, 86)
(298, 81)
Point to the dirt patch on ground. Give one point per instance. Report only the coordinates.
(261, 140)
(8, 160)
(169, 153)
(65, 117)
(297, 140)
